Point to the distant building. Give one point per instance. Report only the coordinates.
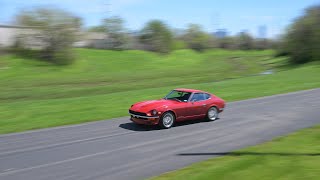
(9, 34)
(262, 31)
(31, 38)
(96, 40)
(221, 33)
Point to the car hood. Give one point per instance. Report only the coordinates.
(147, 106)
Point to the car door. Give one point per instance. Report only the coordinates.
(182, 108)
(198, 105)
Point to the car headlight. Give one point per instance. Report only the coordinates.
(154, 112)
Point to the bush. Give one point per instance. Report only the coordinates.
(196, 38)
(302, 41)
(156, 36)
(54, 31)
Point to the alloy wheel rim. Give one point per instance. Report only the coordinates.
(212, 114)
(168, 120)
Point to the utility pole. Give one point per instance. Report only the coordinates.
(215, 22)
(107, 9)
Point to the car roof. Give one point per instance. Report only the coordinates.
(188, 90)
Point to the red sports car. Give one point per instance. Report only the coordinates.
(178, 105)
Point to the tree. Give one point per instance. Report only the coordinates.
(262, 44)
(196, 38)
(56, 29)
(114, 27)
(227, 42)
(156, 36)
(99, 28)
(245, 41)
(302, 40)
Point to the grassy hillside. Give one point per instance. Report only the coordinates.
(103, 84)
(293, 157)
(102, 72)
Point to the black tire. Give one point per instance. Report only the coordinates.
(212, 114)
(167, 120)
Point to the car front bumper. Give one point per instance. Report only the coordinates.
(148, 120)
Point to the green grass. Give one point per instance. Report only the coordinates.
(103, 84)
(102, 72)
(296, 156)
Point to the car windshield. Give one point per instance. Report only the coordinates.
(178, 96)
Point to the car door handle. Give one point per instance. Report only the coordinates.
(203, 105)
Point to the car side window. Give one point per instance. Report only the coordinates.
(185, 97)
(198, 97)
(207, 96)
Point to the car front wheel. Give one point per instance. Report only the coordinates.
(167, 120)
(212, 114)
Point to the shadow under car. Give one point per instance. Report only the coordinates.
(140, 127)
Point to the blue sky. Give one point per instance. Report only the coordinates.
(235, 16)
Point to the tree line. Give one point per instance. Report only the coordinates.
(157, 36)
(58, 30)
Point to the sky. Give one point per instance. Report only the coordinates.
(235, 16)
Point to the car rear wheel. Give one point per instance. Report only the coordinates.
(167, 120)
(212, 114)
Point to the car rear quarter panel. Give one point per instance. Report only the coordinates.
(218, 102)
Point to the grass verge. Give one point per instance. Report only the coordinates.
(34, 114)
(103, 84)
(296, 156)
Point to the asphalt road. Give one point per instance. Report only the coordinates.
(118, 149)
